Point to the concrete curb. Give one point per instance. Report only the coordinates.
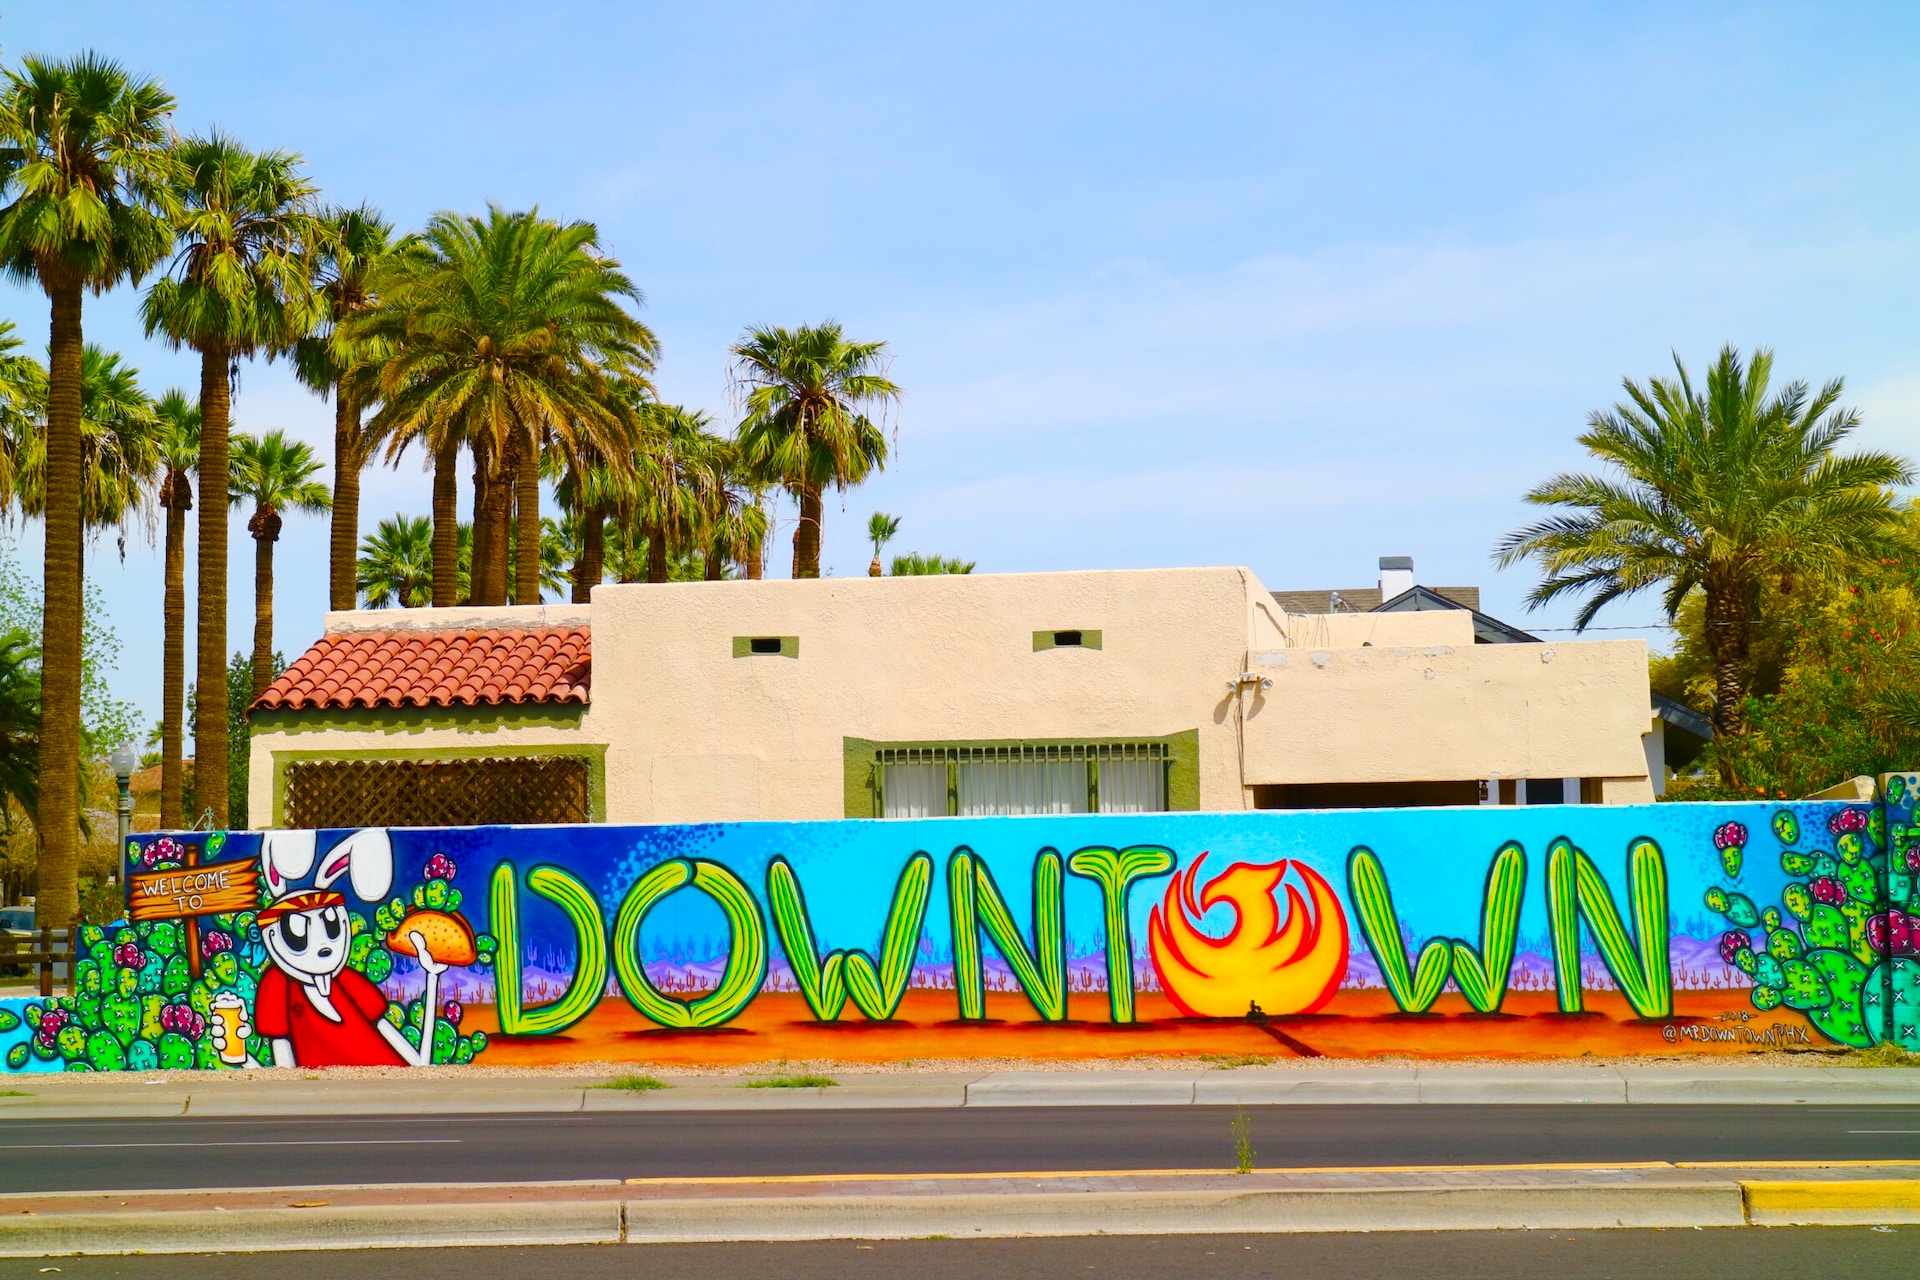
(692, 1211)
(64, 1097)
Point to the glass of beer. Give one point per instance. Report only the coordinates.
(231, 1010)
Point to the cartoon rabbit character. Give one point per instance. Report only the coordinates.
(315, 1010)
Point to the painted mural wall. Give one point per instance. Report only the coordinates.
(1499, 931)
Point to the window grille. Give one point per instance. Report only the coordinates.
(1021, 778)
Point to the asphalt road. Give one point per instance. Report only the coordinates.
(1457, 1255)
(132, 1154)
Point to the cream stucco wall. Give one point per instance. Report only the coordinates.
(1449, 711)
(692, 732)
(696, 732)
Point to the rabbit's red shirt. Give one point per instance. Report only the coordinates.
(282, 1011)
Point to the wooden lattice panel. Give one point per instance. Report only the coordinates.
(437, 793)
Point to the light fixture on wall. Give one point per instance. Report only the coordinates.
(1247, 678)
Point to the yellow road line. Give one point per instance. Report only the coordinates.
(1785, 1196)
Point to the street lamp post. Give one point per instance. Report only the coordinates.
(123, 762)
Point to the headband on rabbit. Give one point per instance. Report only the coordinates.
(310, 900)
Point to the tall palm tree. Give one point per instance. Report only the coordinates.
(881, 529)
(332, 365)
(19, 722)
(86, 168)
(241, 285)
(119, 447)
(807, 393)
(1718, 491)
(502, 332)
(276, 475)
(396, 563)
(179, 440)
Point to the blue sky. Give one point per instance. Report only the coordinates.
(1288, 286)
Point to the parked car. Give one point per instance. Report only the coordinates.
(16, 934)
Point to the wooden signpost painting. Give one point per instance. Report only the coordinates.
(193, 891)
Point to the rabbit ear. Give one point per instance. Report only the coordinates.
(368, 855)
(286, 856)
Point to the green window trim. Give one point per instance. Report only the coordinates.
(743, 647)
(862, 759)
(595, 754)
(1044, 640)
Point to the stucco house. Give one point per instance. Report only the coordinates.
(1100, 691)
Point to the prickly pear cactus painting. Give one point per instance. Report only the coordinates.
(1840, 946)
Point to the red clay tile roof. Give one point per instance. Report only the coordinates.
(402, 668)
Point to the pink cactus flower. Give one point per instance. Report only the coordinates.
(1847, 820)
(452, 1012)
(440, 867)
(1828, 890)
(1730, 835)
(1732, 942)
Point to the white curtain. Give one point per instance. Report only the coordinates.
(1133, 786)
(1024, 786)
(913, 790)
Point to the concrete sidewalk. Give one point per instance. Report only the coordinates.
(888, 1207)
(80, 1095)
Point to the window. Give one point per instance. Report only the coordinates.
(766, 646)
(933, 781)
(1066, 638)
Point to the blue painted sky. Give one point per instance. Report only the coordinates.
(1274, 285)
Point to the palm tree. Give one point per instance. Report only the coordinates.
(806, 428)
(86, 167)
(396, 563)
(19, 723)
(277, 475)
(881, 529)
(332, 365)
(1717, 491)
(502, 333)
(119, 447)
(179, 440)
(241, 285)
(914, 565)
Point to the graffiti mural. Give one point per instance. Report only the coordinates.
(1514, 932)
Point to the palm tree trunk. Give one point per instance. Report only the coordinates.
(591, 566)
(656, 554)
(446, 525)
(178, 500)
(806, 534)
(499, 532)
(716, 565)
(526, 502)
(210, 765)
(343, 543)
(265, 528)
(58, 820)
(1727, 632)
(480, 571)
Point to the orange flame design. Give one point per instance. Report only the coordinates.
(1290, 969)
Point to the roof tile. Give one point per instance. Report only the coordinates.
(404, 668)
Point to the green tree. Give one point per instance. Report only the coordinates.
(501, 334)
(240, 286)
(19, 722)
(881, 529)
(1722, 490)
(913, 565)
(86, 169)
(396, 563)
(330, 363)
(119, 448)
(807, 393)
(276, 475)
(179, 440)
(237, 680)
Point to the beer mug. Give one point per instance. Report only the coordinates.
(231, 1010)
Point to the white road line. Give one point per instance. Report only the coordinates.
(305, 1142)
(1883, 1131)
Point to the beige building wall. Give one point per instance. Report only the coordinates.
(697, 733)
(694, 729)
